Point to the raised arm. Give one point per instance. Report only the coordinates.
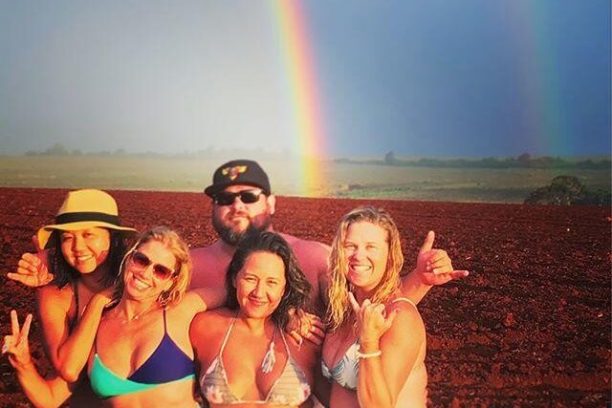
(32, 268)
(42, 393)
(434, 267)
(67, 351)
(387, 354)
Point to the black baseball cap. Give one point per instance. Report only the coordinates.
(240, 171)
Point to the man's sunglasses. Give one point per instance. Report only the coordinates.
(142, 261)
(246, 196)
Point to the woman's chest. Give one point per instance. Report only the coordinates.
(337, 344)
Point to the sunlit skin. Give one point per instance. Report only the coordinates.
(366, 251)
(260, 284)
(238, 216)
(390, 333)
(142, 283)
(85, 249)
(210, 263)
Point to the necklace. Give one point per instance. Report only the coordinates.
(138, 315)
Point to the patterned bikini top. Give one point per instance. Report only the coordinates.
(346, 371)
(290, 388)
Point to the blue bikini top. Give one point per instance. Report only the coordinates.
(168, 363)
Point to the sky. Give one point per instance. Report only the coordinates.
(468, 78)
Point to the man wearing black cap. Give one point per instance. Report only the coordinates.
(243, 200)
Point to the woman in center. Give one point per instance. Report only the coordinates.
(243, 355)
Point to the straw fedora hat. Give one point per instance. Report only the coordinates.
(84, 209)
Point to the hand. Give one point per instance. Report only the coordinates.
(104, 297)
(32, 268)
(434, 266)
(372, 320)
(303, 325)
(16, 344)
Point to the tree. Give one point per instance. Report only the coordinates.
(563, 190)
(524, 159)
(390, 159)
(57, 149)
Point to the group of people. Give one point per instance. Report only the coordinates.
(257, 318)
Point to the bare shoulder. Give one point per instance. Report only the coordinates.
(202, 252)
(209, 265)
(190, 304)
(211, 320)
(305, 244)
(311, 253)
(51, 295)
(407, 318)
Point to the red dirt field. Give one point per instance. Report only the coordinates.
(529, 327)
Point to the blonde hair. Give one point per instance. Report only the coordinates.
(339, 308)
(182, 272)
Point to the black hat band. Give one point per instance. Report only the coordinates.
(87, 216)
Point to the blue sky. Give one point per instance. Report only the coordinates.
(421, 78)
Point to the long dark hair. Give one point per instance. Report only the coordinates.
(64, 273)
(297, 287)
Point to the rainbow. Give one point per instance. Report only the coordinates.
(300, 66)
(537, 72)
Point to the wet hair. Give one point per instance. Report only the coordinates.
(339, 308)
(64, 273)
(182, 271)
(297, 287)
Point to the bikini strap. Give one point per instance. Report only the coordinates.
(229, 330)
(284, 340)
(404, 299)
(165, 328)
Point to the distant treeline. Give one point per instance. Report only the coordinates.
(59, 149)
(525, 160)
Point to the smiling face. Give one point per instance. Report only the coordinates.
(232, 220)
(260, 284)
(366, 250)
(142, 276)
(85, 249)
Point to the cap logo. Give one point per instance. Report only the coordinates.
(233, 172)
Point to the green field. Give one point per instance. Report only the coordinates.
(340, 179)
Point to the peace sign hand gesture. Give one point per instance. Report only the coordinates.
(372, 320)
(16, 344)
(32, 268)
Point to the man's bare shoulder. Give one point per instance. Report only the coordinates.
(205, 251)
(209, 265)
(306, 245)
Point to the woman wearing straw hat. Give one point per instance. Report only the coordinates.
(82, 250)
